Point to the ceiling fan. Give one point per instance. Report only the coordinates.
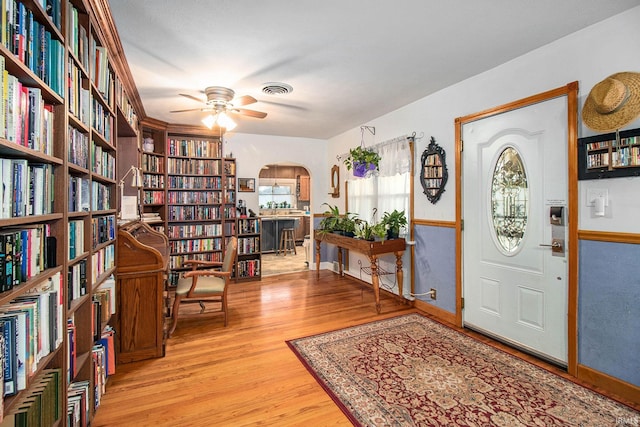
(220, 101)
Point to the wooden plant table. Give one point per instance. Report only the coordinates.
(371, 249)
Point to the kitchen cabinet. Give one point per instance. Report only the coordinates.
(303, 188)
(302, 229)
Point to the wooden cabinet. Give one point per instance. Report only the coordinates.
(143, 256)
(302, 229)
(249, 260)
(304, 190)
(609, 155)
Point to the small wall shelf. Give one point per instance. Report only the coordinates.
(609, 156)
(434, 174)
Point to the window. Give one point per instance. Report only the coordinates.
(273, 195)
(390, 189)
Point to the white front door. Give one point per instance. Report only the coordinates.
(514, 178)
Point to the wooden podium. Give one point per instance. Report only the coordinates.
(142, 262)
(372, 249)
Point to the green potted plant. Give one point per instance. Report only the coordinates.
(363, 230)
(331, 220)
(379, 231)
(362, 160)
(347, 224)
(394, 221)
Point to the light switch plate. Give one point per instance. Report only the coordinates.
(594, 193)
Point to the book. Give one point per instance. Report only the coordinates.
(7, 246)
(9, 353)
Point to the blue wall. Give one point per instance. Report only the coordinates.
(609, 309)
(435, 265)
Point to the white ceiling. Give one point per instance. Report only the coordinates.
(348, 61)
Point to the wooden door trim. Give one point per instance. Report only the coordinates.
(571, 92)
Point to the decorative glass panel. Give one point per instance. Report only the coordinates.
(509, 200)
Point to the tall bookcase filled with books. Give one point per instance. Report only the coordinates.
(249, 260)
(152, 165)
(33, 209)
(200, 199)
(65, 108)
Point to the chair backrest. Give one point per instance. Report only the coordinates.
(230, 254)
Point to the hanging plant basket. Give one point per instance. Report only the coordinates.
(362, 160)
(361, 169)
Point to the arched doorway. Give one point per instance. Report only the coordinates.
(284, 196)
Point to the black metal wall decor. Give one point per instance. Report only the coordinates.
(434, 175)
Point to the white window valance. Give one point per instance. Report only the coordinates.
(395, 157)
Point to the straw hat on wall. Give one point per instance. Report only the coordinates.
(613, 103)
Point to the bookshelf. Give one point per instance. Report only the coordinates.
(200, 198)
(434, 174)
(605, 156)
(153, 166)
(249, 259)
(33, 210)
(69, 108)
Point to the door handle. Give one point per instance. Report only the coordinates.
(557, 246)
(553, 245)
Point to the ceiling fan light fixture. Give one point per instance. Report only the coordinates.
(209, 121)
(221, 119)
(226, 122)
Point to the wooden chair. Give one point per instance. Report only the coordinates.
(205, 285)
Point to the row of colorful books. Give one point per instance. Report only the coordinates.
(100, 196)
(77, 37)
(32, 327)
(248, 226)
(103, 229)
(248, 245)
(102, 261)
(196, 245)
(25, 118)
(40, 406)
(248, 268)
(25, 253)
(194, 148)
(103, 362)
(79, 194)
(33, 44)
(76, 281)
(76, 238)
(78, 143)
(27, 188)
(194, 230)
(78, 93)
(103, 162)
(103, 305)
(102, 120)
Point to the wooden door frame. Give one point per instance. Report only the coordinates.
(571, 92)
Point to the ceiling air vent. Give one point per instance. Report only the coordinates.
(276, 88)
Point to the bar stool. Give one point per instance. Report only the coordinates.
(287, 241)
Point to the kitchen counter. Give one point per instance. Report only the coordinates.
(272, 226)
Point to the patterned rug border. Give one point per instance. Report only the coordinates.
(320, 380)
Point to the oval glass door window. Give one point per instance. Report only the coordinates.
(509, 200)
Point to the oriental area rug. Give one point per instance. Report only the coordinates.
(413, 371)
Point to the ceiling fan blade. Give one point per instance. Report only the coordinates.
(250, 113)
(190, 109)
(244, 100)
(192, 97)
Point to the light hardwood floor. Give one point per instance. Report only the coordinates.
(245, 374)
